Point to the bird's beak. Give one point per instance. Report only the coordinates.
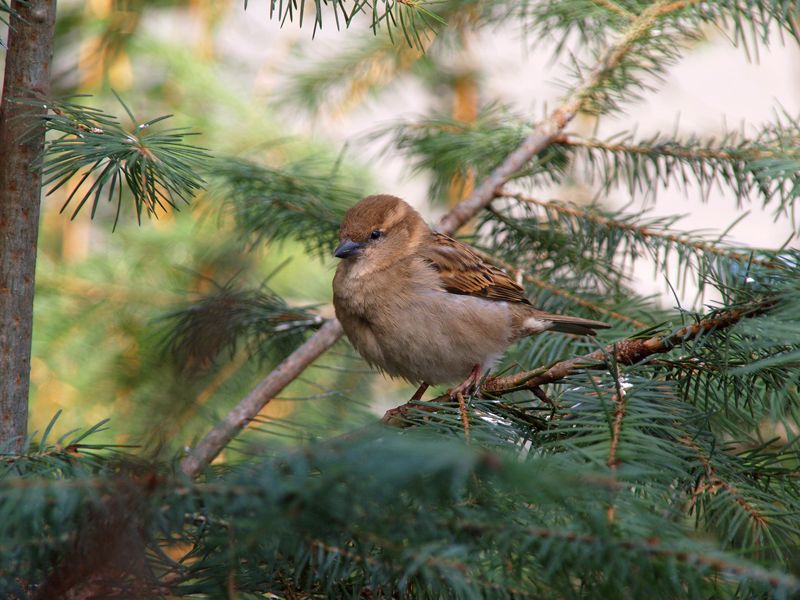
(347, 248)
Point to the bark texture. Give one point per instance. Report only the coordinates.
(27, 75)
(236, 420)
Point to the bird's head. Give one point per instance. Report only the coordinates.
(378, 231)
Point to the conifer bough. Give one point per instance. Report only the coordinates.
(625, 352)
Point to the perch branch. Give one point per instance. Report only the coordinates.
(626, 352)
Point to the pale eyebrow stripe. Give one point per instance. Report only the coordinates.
(395, 216)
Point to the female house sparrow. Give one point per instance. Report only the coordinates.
(422, 306)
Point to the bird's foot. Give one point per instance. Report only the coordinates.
(470, 385)
(419, 393)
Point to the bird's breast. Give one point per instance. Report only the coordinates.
(421, 332)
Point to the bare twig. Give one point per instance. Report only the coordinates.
(222, 433)
(625, 352)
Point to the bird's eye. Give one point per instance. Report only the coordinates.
(375, 234)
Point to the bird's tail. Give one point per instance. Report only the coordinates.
(566, 323)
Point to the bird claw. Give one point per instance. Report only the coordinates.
(470, 385)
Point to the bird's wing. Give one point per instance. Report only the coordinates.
(463, 271)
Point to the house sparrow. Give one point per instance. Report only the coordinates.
(422, 306)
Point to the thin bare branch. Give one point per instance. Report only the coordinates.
(224, 431)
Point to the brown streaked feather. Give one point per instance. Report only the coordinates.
(463, 271)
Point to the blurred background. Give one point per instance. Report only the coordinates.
(254, 89)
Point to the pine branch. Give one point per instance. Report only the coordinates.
(579, 301)
(616, 8)
(625, 352)
(547, 131)
(223, 319)
(5, 9)
(766, 165)
(652, 547)
(445, 148)
(733, 495)
(751, 22)
(433, 562)
(563, 293)
(557, 232)
(303, 200)
(711, 481)
(643, 231)
(157, 166)
(415, 22)
(338, 522)
(559, 21)
(762, 165)
(341, 82)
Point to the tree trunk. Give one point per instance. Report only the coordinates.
(27, 75)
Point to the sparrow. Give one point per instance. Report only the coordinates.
(422, 306)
